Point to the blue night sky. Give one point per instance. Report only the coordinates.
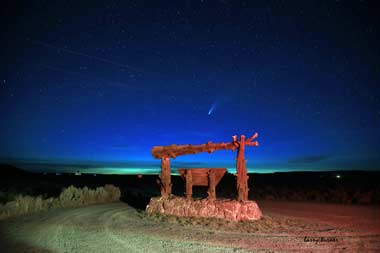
(95, 85)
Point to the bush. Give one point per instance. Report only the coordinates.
(113, 192)
(69, 197)
(72, 196)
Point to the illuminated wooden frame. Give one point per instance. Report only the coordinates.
(166, 152)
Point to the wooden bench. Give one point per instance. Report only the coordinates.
(202, 177)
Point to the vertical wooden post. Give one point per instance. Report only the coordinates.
(189, 184)
(241, 172)
(211, 185)
(166, 185)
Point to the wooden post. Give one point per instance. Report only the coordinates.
(189, 184)
(212, 184)
(166, 185)
(241, 172)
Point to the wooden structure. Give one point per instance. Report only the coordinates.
(202, 177)
(166, 152)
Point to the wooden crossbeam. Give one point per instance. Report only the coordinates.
(173, 151)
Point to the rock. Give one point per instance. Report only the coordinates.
(225, 209)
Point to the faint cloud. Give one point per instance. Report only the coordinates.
(310, 159)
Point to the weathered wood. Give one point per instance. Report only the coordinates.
(173, 151)
(202, 177)
(254, 136)
(166, 185)
(189, 184)
(212, 184)
(241, 172)
(200, 181)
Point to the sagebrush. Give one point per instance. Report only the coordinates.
(69, 197)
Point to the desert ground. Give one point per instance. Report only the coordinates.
(302, 212)
(117, 227)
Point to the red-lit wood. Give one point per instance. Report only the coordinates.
(241, 172)
(177, 150)
(166, 185)
(189, 184)
(167, 152)
(212, 184)
(202, 177)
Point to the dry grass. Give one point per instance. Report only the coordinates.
(69, 197)
(265, 225)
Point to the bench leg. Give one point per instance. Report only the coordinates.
(189, 184)
(211, 186)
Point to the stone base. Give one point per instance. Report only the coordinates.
(220, 208)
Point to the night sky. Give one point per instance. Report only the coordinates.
(95, 85)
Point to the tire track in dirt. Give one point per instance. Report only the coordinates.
(117, 227)
(98, 228)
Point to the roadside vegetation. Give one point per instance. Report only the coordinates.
(69, 197)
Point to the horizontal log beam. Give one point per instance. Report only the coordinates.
(173, 151)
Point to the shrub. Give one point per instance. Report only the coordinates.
(69, 197)
(113, 192)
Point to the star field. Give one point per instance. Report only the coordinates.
(101, 83)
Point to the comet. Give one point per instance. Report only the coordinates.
(212, 108)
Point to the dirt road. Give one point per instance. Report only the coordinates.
(286, 227)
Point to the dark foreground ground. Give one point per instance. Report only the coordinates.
(307, 212)
(116, 227)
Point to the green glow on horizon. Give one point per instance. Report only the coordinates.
(118, 169)
(156, 171)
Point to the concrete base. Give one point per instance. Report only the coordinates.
(220, 208)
